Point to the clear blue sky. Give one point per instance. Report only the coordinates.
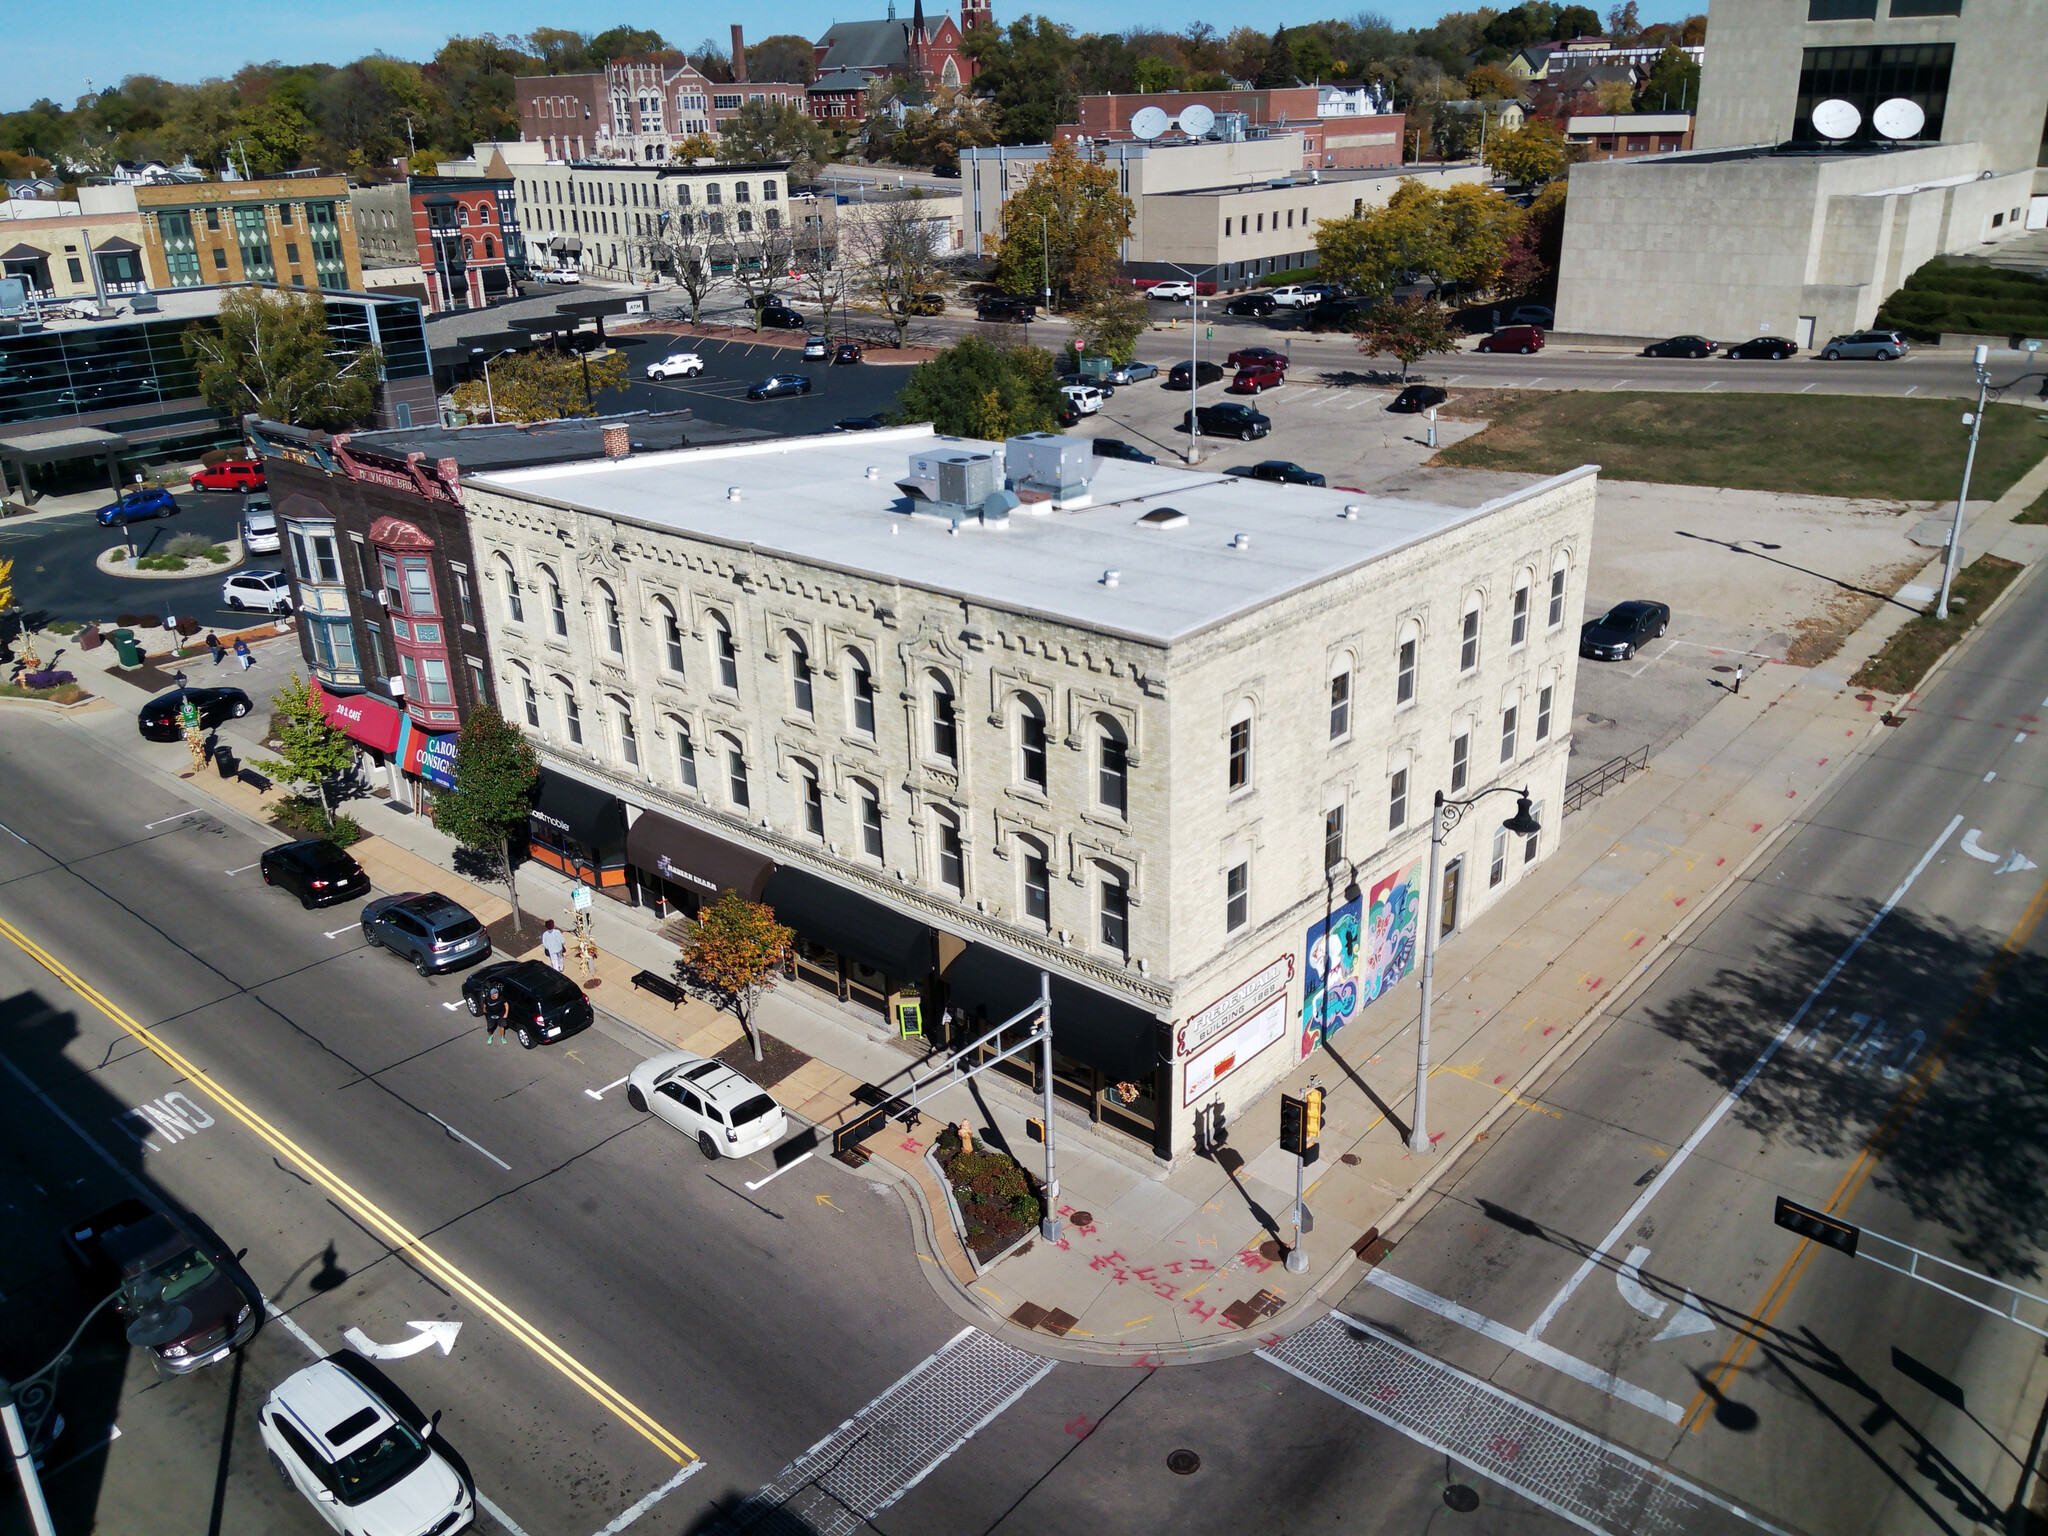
(52, 48)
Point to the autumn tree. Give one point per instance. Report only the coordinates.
(1456, 234)
(495, 771)
(310, 751)
(541, 386)
(1071, 215)
(732, 956)
(1489, 82)
(1533, 154)
(890, 252)
(976, 388)
(269, 352)
(1410, 330)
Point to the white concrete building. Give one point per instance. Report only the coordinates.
(1140, 730)
(597, 215)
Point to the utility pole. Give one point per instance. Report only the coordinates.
(1978, 360)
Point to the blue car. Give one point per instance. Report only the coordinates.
(137, 506)
(1131, 373)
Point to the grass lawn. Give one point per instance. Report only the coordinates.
(1823, 445)
(1906, 657)
(2037, 513)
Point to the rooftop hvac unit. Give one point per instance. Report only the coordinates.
(958, 479)
(1054, 467)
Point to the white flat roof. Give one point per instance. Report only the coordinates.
(810, 499)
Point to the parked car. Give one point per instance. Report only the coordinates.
(1258, 305)
(1881, 345)
(188, 1302)
(1173, 290)
(726, 1114)
(816, 349)
(1131, 373)
(158, 720)
(558, 275)
(1417, 398)
(1334, 314)
(1300, 295)
(858, 424)
(1086, 399)
(1513, 338)
(234, 475)
(1680, 346)
(677, 365)
(846, 352)
(1617, 633)
(779, 384)
(428, 929)
(779, 317)
(138, 506)
(1117, 448)
(1257, 377)
(1016, 311)
(546, 1004)
(1205, 373)
(1533, 314)
(1228, 420)
(259, 527)
(925, 303)
(1774, 348)
(365, 1469)
(1285, 472)
(1085, 381)
(270, 591)
(1246, 357)
(314, 870)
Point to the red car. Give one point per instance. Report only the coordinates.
(234, 475)
(1514, 338)
(1257, 376)
(1246, 357)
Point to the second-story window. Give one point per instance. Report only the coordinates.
(1461, 760)
(1543, 696)
(952, 860)
(1397, 801)
(800, 689)
(1116, 911)
(945, 722)
(419, 586)
(1508, 717)
(1340, 706)
(1333, 837)
(1113, 768)
(814, 806)
(1037, 886)
(736, 774)
(870, 822)
(728, 656)
(629, 741)
(686, 756)
(1240, 772)
(1237, 897)
(572, 716)
(1031, 747)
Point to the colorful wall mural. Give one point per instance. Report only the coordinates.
(1360, 952)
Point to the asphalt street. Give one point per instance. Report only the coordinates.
(719, 393)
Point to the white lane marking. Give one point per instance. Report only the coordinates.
(1709, 385)
(149, 825)
(13, 834)
(1990, 776)
(291, 1326)
(104, 1441)
(1969, 846)
(1629, 1281)
(1356, 404)
(425, 1336)
(778, 1173)
(1729, 1099)
(487, 1152)
(652, 1499)
(2019, 738)
(1809, 386)
(1525, 1344)
(595, 1093)
(241, 868)
(1617, 383)
(505, 1520)
(451, 1007)
(2017, 863)
(332, 932)
(1538, 380)
(1454, 378)
(1909, 391)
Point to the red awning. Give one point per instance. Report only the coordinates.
(361, 718)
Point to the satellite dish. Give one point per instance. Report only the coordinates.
(1196, 121)
(1899, 118)
(1149, 122)
(1836, 119)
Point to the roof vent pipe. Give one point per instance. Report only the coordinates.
(732, 493)
(1241, 541)
(1350, 512)
(1112, 578)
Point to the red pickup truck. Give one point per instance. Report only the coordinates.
(233, 475)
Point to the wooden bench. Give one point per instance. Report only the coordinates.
(661, 987)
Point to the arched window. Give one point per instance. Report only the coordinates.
(736, 772)
(686, 752)
(515, 610)
(1340, 697)
(860, 684)
(483, 213)
(1034, 869)
(726, 654)
(1468, 635)
(614, 631)
(800, 691)
(1114, 908)
(813, 795)
(629, 739)
(1518, 625)
(1557, 579)
(1546, 697)
(527, 696)
(490, 248)
(952, 855)
(1112, 767)
(572, 716)
(945, 721)
(870, 819)
(1031, 755)
(558, 612)
(1407, 658)
(671, 636)
(1238, 774)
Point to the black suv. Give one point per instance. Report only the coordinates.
(1229, 420)
(546, 1005)
(316, 871)
(1117, 448)
(185, 1301)
(162, 718)
(777, 317)
(1260, 304)
(1018, 311)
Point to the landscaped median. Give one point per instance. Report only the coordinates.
(189, 554)
(1922, 641)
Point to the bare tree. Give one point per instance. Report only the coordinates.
(758, 260)
(891, 255)
(677, 249)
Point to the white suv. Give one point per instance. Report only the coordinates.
(1086, 399)
(677, 365)
(367, 1471)
(1173, 290)
(727, 1113)
(270, 591)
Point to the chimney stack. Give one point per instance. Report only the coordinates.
(618, 442)
(739, 55)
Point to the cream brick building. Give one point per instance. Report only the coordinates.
(1140, 731)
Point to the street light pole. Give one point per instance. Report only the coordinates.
(1194, 277)
(490, 401)
(1955, 534)
(1445, 815)
(1045, 259)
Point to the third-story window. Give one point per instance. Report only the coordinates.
(1397, 801)
(1556, 598)
(728, 657)
(462, 592)
(952, 862)
(1037, 887)
(1519, 631)
(532, 700)
(1543, 713)
(419, 587)
(1468, 643)
(686, 756)
(1461, 760)
(1404, 678)
(945, 723)
(1031, 728)
(1333, 837)
(672, 638)
(1340, 706)
(800, 680)
(558, 613)
(864, 704)
(629, 742)
(1112, 769)
(871, 823)
(814, 806)
(736, 775)
(1237, 897)
(1240, 754)
(614, 631)
(1507, 733)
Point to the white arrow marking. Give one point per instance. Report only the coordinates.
(1691, 1317)
(2016, 862)
(599, 1093)
(426, 1336)
(451, 1007)
(1629, 1281)
(1970, 847)
(778, 1173)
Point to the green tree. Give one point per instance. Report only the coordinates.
(734, 953)
(1534, 153)
(1113, 321)
(785, 56)
(764, 130)
(495, 771)
(310, 751)
(1410, 331)
(1575, 21)
(542, 386)
(269, 352)
(1672, 85)
(1152, 75)
(1276, 70)
(1030, 70)
(1070, 213)
(625, 43)
(1456, 234)
(976, 388)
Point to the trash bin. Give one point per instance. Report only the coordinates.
(126, 648)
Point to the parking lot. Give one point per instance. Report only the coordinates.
(719, 393)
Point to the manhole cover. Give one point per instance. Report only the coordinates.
(1349, 1159)
(1271, 1251)
(1083, 1218)
(1187, 1463)
(1598, 720)
(1724, 669)
(593, 982)
(1866, 698)
(1461, 1498)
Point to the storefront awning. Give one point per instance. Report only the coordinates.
(1116, 1038)
(574, 808)
(693, 857)
(361, 718)
(863, 930)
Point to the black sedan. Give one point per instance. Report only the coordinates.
(777, 385)
(187, 1302)
(1680, 346)
(1228, 420)
(1285, 472)
(162, 718)
(1117, 448)
(1775, 348)
(314, 870)
(1622, 630)
(1258, 304)
(1205, 373)
(542, 1003)
(1417, 398)
(846, 352)
(779, 317)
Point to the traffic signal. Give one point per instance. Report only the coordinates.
(1293, 1115)
(1312, 1116)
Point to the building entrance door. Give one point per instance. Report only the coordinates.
(1454, 875)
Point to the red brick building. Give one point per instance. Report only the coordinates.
(636, 109)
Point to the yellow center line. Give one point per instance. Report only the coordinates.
(1858, 1174)
(390, 1230)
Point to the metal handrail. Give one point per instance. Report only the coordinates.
(1591, 786)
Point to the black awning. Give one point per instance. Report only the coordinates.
(1115, 1037)
(693, 857)
(835, 918)
(577, 809)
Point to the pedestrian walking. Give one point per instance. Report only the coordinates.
(242, 653)
(213, 644)
(497, 1015)
(553, 943)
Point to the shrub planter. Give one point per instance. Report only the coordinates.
(115, 562)
(988, 1184)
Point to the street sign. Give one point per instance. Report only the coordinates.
(1817, 1226)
